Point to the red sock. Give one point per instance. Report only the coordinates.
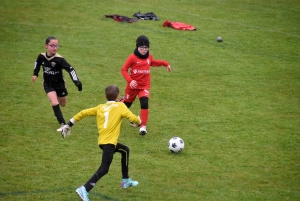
(144, 116)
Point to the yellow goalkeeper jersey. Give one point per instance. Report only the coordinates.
(109, 119)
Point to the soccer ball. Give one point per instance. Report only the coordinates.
(176, 144)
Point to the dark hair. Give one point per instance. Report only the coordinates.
(50, 38)
(112, 92)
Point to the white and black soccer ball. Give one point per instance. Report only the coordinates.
(176, 144)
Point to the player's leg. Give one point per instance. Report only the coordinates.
(52, 96)
(124, 151)
(62, 96)
(129, 96)
(128, 104)
(107, 157)
(144, 113)
(62, 101)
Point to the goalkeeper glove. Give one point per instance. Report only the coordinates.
(66, 130)
(136, 125)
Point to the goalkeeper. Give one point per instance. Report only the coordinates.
(109, 118)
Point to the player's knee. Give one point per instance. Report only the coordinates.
(128, 104)
(62, 104)
(126, 149)
(144, 102)
(62, 101)
(103, 170)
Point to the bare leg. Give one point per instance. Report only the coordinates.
(52, 96)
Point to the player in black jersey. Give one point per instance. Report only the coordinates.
(54, 83)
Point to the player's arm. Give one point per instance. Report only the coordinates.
(72, 73)
(156, 63)
(127, 65)
(66, 130)
(126, 113)
(36, 69)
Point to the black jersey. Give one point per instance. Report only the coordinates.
(52, 70)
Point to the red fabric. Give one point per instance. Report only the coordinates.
(144, 115)
(178, 25)
(131, 94)
(139, 70)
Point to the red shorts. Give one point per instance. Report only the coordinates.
(130, 94)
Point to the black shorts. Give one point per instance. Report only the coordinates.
(60, 92)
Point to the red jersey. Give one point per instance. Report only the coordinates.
(139, 70)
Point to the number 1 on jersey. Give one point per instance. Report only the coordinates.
(106, 114)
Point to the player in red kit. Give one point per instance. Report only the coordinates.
(136, 71)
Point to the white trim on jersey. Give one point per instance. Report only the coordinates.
(74, 76)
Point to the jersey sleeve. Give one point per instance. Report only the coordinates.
(127, 65)
(84, 113)
(37, 66)
(72, 72)
(126, 113)
(156, 63)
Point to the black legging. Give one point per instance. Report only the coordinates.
(143, 103)
(107, 157)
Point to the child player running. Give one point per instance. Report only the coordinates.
(54, 82)
(109, 118)
(136, 71)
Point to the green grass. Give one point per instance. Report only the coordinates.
(236, 104)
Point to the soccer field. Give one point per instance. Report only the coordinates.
(236, 103)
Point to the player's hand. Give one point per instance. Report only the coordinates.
(133, 84)
(79, 85)
(134, 125)
(33, 78)
(140, 121)
(66, 130)
(168, 68)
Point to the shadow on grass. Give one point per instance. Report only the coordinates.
(53, 190)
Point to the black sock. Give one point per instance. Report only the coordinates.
(92, 182)
(58, 114)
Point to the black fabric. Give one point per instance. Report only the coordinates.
(58, 114)
(107, 157)
(145, 16)
(60, 92)
(121, 18)
(124, 151)
(70, 124)
(79, 85)
(139, 55)
(52, 70)
(144, 102)
(128, 104)
(142, 41)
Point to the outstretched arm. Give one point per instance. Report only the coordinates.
(72, 73)
(66, 129)
(156, 63)
(75, 78)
